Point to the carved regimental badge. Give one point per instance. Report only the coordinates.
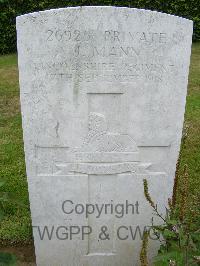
(103, 153)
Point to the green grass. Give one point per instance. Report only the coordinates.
(16, 227)
(190, 150)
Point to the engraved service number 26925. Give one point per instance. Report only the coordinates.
(67, 35)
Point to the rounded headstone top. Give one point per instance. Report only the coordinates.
(105, 9)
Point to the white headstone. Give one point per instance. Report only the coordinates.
(103, 93)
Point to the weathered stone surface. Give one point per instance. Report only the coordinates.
(103, 94)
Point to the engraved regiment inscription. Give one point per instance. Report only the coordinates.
(102, 93)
